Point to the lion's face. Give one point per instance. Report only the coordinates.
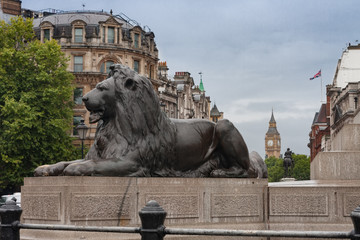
(101, 100)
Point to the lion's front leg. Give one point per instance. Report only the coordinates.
(53, 169)
(84, 168)
(105, 167)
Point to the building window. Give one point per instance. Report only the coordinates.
(78, 35)
(105, 67)
(111, 35)
(78, 94)
(136, 40)
(151, 72)
(76, 122)
(136, 66)
(103, 34)
(46, 34)
(78, 63)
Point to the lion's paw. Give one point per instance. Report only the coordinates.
(80, 169)
(233, 172)
(50, 170)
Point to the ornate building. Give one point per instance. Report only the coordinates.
(272, 139)
(320, 130)
(180, 97)
(339, 148)
(93, 41)
(215, 114)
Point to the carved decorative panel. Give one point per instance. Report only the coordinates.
(183, 205)
(299, 204)
(104, 206)
(42, 206)
(235, 205)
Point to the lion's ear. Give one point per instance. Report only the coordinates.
(130, 84)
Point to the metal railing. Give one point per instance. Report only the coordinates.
(152, 226)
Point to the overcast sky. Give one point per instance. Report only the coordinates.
(255, 55)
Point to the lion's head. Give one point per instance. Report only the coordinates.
(130, 112)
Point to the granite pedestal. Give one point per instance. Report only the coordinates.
(115, 201)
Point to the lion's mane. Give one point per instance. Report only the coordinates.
(139, 127)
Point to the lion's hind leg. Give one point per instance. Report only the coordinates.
(234, 160)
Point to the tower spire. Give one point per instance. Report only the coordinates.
(272, 119)
(201, 86)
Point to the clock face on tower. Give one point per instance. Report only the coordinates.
(270, 143)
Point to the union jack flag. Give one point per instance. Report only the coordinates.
(316, 75)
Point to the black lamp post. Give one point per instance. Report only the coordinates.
(82, 130)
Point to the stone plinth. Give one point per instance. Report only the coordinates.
(116, 201)
(336, 166)
(313, 205)
(248, 204)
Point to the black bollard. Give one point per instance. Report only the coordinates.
(355, 217)
(152, 221)
(10, 218)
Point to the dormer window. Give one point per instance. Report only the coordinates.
(78, 31)
(110, 31)
(136, 40)
(78, 35)
(111, 35)
(46, 34)
(47, 31)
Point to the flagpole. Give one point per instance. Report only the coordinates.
(321, 89)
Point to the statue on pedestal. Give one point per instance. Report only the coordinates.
(288, 162)
(135, 138)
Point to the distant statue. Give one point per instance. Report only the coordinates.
(135, 138)
(288, 162)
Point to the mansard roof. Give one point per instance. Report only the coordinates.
(89, 18)
(320, 117)
(214, 112)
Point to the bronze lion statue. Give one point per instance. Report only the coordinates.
(135, 138)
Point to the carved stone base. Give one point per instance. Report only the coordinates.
(115, 201)
(248, 204)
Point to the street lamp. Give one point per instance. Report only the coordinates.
(82, 130)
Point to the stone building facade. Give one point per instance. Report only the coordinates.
(93, 41)
(272, 139)
(339, 157)
(180, 97)
(320, 130)
(9, 9)
(215, 114)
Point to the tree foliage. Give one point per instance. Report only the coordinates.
(301, 169)
(275, 169)
(276, 172)
(35, 107)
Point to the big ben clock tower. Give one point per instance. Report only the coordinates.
(272, 139)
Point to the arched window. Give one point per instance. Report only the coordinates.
(105, 67)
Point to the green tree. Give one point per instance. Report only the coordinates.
(275, 169)
(35, 107)
(301, 169)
